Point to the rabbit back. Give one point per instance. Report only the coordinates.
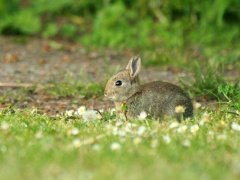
(159, 99)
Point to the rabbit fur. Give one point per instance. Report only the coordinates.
(157, 99)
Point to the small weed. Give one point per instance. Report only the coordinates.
(210, 84)
(50, 30)
(68, 30)
(92, 90)
(16, 95)
(108, 116)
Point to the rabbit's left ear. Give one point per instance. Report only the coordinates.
(134, 66)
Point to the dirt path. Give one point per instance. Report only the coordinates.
(40, 62)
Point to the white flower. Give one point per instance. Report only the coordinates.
(167, 139)
(121, 133)
(81, 110)
(112, 111)
(154, 143)
(96, 147)
(34, 111)
(88, 141)
(142, 115)
(119, 123)
(222, 123)
(194, 128)
(141, 130)
(182, 129)
(24, 124)
(204, 119)
(128, 127)
(134, 125)
(115, 131)
(210, 133)
(186, 143)
(115, 146)
(74, 131)
(221, 136)
(122, 139)
(197, 105)
(180, 109)
(99, 116)
(89, 115)
(69, 113)
(201, 122)
(235, 126)
(4, 126)
(109, 126)
(137, 140)
(3, 148)
(76, 143)
(173, 125)
(39, 135)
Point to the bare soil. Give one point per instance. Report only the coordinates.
(39, 62)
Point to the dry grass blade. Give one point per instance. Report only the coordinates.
(16, 85)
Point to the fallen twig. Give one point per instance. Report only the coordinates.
(99, 112)
(16, 85)
(234, 113)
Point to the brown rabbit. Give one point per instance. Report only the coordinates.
(157, 98)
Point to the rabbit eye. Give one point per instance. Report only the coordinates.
(118, 83)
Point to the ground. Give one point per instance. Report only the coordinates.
(41, 63)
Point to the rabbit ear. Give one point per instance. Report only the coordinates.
(134, 66)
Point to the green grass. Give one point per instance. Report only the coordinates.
(16, 95)
(209, 83)
(70, 89)
(35, 146)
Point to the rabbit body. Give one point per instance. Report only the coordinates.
(156, 98)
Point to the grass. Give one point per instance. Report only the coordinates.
(215, 55)
(36, 146)
(55, 90)
(209, 83)
(15, 95)
(71, 89)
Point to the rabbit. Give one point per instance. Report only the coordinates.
(157, 99)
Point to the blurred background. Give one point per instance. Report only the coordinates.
(125, 23)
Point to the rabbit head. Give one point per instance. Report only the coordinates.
(125, 83)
